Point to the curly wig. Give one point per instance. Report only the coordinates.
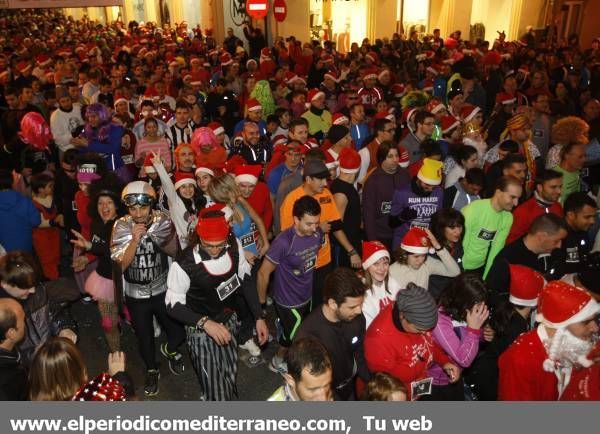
(570, 130)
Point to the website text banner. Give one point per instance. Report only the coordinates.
(273, 417)
(30, 4)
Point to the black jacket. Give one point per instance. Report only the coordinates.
(13, 377)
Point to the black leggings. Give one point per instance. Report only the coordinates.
(142, 310)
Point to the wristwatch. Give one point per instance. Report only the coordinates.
(201, 322)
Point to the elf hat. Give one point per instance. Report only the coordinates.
(431, 172)
(525, 285)
(373, 251)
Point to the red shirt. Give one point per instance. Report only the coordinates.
(260, 200)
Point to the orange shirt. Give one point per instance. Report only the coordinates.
(329, 213)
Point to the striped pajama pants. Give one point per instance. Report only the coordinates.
(215, 365)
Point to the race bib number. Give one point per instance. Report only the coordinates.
(538, 133)
(386, 207)
(572, 255)
(419, 224)
(247, 240)
(486, 235)
(127, 159)
(421, 388)
(309, 264)
(228, 287)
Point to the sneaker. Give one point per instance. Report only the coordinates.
(278, 365)
(251, 347)
(157, 329)
(176, 365)
(151, 383)
(87, 299)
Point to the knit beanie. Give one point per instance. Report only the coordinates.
(418, 306)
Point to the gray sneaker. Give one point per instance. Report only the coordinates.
(278, 365)
(176, 365)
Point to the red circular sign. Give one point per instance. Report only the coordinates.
(257, 8)
(279, 10)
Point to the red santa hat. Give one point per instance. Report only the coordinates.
(43, 60)
(119, 98)
(148, 167)
(213, 228)
(468, 112)
(206, 170)
(183, 178)
(525, 285)
(314, 94)
(290, 77)
(216, 127)
(561, 305)
(265, 52)
(339, 119)
(505, 98)
(449, 123)
(225, 59)
(492, 58)
(399, 90)
(349, 161)
(523, 69)
(416, 241)
(373, 251)
(332, 75)
(435, 105)
(23, 66)
(247, 173)
(404, 160)
(370, 73)
(383, 72)
(330, 161)
(384, 115)
(253, 105)
(372, 56)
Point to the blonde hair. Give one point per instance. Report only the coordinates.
(381, 386)
(57, 371)
(224, 189)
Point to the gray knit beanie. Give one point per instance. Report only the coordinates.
(418, 306)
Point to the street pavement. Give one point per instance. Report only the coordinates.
(255, 381)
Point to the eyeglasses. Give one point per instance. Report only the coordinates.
(139, 199)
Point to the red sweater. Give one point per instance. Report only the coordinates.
(260, 200)
(522, 376)
(526, 213)
(403, 355)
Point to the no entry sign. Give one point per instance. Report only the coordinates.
(279, 10)
(257, 8)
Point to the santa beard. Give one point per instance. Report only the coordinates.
(567, 350)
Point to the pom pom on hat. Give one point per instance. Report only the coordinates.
(247, 173)
(373, 251)
(561, 305)
(525, 285)
(431, 172)
(416, 241)
(349, 160)
(183, 178)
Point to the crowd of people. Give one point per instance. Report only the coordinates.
(413, 219)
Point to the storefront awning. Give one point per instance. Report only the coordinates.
(30, 4)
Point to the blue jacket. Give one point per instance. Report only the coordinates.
(359, 133)
(18, 217)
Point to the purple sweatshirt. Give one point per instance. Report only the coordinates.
(461, 343)
(425, 206)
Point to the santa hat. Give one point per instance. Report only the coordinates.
(561, 305)
(373, 251)
(247, 173)
(384, 115)
(407, 113)
(290, 77)
(525, 285)
(251, 61)
(416, 241)
(433, 70)
(265, 52)
(370, 73)
(339, 119)
(399, 90)
(23, 66)
(216, 127)
(119, 98)
(449, 123)
(349, 161)
(43, 60)
(431, 172)
(492, 58)
(330, 161)
(505, 98)
(207, 170)
(183, 178)
(253, 105)
(148, 167)
(468, 112)
(332, 75)
(523, 69)
(314, 94)
(372, 56)
(213, 228)
(435, 105)
(382, 73)
(225, 59)
(404, 160)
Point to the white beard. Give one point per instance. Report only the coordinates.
(568, 351)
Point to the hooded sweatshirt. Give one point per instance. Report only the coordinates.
(19, 216)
